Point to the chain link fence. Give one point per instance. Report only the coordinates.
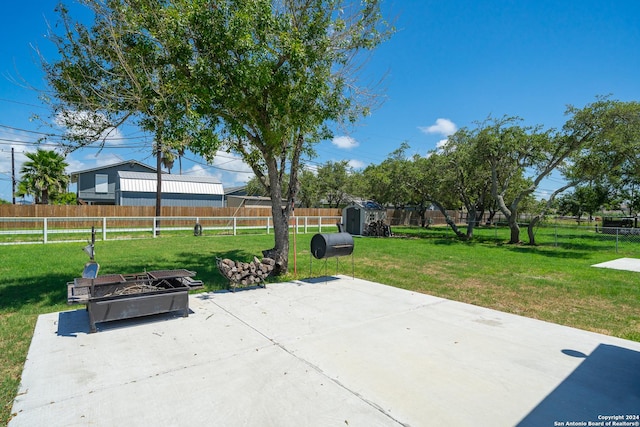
(582, 237)
(620, 239)
(566, 232)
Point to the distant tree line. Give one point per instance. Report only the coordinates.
(498, 166)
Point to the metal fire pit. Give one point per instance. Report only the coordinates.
(122, 296)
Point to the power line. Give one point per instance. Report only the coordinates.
(217, 167)
(26, 130)
(23, 103)
(62, 136)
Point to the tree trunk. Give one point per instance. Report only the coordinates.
(45, 197)
(280, 252)
(471, 222)
(450, 222)
(281, 209)
(480, 217)
(492, 214)
(534, 221)
(512, 218)
(515, 230)
(158, 187)
(422, 211)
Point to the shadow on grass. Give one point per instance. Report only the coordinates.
(44, 291)
(48, 291)
(552, 252)
(577, 249)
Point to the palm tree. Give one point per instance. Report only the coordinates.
(43, 175)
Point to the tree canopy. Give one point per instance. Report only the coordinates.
(500, 164)
(259, 78)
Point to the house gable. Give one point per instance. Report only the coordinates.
(97, 186)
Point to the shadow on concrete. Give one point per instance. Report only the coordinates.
(72, 323)
(321, 279)
(607, 382)
(328, 266)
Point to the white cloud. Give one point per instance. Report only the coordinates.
(232, 170)
(442, 127)
(76, 165)
(344, 142)
(356, 164)
(440, 144)
(85, 123)
(198, 170)
(313, 168)
(106, 159)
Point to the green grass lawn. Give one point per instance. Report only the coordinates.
(552, 281)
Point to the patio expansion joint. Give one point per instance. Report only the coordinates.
(316, 368)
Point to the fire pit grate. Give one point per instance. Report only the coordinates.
(121, 296)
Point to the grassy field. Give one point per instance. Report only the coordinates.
(552, 281)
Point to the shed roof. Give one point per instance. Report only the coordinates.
(182, 184)
(368, 205)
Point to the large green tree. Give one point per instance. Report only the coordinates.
(605, 135)
(260, 78)
(43, 176)
(115, 72)
(465, 174)
(586, 198)
(271, 75)
(511, 151)
(333, 178)
(595, 141)
(429, 187)
(309, 190)
(386, 183)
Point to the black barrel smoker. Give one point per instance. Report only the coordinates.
(332, 245)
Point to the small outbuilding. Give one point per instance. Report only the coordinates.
(359, 214)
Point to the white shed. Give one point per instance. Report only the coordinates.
(358, 214)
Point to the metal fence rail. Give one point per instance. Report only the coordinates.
(592, 236)
(69, 229)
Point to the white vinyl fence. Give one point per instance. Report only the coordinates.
(68, 229)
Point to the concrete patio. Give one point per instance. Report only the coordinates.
(333, 351)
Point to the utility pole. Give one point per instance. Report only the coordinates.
(13, 177)
(158, 187)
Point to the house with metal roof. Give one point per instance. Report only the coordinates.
(132, 183)
(139, 189)
(97, 186)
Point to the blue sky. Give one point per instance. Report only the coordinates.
(450, 64)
